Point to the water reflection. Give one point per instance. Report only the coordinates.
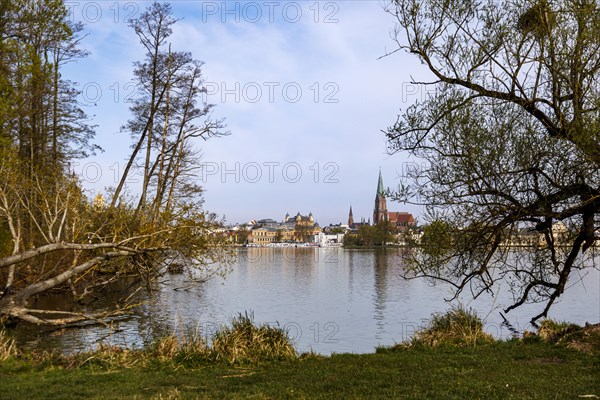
(330, 300)
(380, 290)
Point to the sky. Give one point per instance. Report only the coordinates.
(302, 88)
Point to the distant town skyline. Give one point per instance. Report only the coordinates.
(367, 218)
(301, 85)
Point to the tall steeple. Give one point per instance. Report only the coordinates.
(380, 211)
(380, 190)
(350, 218)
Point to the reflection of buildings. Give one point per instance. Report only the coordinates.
(380, 269)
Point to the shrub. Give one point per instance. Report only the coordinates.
(165, 347)
(456, 327)
(245, 342)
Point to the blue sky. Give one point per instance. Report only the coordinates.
(299, 84)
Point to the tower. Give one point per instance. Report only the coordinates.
(350, 218)
(380, 211)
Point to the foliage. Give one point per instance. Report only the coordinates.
(509, 139)
(242, 236)
(278, 236)
(5, 241)
(437, 238)
(371, 235)
(455, 327)
(184, 348)
(336, 230)
(501, 369)
(244, 342)
(383, 233)
(585, 339)
(39, 110)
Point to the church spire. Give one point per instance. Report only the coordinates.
(380, 211)
(380, 191)
(350, 218)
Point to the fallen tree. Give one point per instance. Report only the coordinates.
(93, 243)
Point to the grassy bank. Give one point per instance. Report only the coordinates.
(496, 371)
(255, 362)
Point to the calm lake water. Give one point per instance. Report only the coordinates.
(329, 299)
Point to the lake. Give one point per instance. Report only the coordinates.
(331, 300)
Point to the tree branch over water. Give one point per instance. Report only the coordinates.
(510, 141)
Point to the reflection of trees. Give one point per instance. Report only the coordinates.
(350, 255)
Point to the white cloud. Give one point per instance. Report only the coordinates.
(327, 61)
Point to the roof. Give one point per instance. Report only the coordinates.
(380, 190)
(302, 217)
(401, 217)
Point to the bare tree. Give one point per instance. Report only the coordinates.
(510, 140)
(167, 114)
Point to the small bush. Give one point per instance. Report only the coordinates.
(181, 349)
(165, 348)
(456, 327)
(552, 331)
(245, 342)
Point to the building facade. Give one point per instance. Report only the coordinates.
(298, 229)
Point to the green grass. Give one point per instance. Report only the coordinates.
(451, 359)
(501, 370)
